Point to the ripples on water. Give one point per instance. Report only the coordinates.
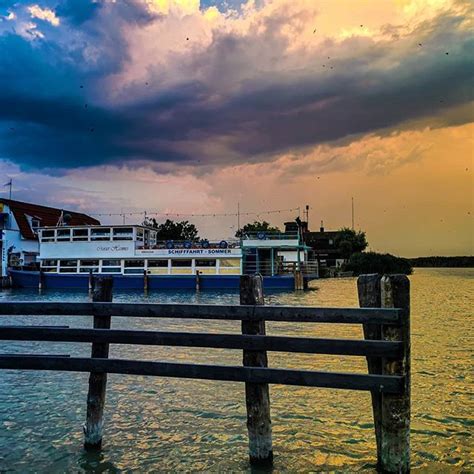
(159, 424)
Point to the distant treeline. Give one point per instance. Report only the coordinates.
(442, 261)
(372, 262)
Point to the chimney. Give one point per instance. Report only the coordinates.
(321, 229)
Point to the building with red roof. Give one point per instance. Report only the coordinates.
(19, 222)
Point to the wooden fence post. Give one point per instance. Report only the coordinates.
(395, 409)
(93, 428)
(40, 279)
(368, 288)
(90, 282)
(257, 395)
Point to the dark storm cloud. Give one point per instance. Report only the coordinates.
(52, 114)
(77, 12)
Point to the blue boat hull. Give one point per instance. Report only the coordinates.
(30, 279)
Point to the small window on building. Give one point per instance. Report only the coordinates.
(181, 263)
(134, 263)
(230, 262)
(206, 263)
(112, 270)
(68, 266)
(35, 225)
(123, 233)
(157, 263)
(80, 234)
(111, 263)
(47, 235)
(100, 234)
(63, 235)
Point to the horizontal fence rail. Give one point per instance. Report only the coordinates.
(379, 383)
(201, 311)
(217, 341)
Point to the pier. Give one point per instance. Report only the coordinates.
(384, 316)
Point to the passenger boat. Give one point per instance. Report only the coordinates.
(69, 255)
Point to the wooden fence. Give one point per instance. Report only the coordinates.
(384, 315)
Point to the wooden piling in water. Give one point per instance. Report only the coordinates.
(299, 280)
(93, 428)
(395, 408)
(368, 288)
(40, 279)
(90, 281)
(257, 396)
(145, 281)
(198, 281)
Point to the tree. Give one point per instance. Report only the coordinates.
(372, 262)
(256, 226)
(348, 241)
(170, 230)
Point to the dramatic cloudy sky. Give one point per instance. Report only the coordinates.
(188, 106)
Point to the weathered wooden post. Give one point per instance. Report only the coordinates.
(40, 279)
(91, 282)
(145, 281)
(257, 395)
(198, 281)
(298, 276)
(395, 409)
(93, 428)
(368, 287)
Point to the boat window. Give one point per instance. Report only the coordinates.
(181, 263)
(157, 263)
(90, 263)
(230, 262)
(111, 270)
(133, 270)
(68, 266)
(47, 235)
(111, 263)
(206, 263)
(100, 234)
(49, 263)
(123, 233)
(63, 234)
(140, 234)
(87, 270)
(134, 263)
(80, 234)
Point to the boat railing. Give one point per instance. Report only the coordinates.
(308, 268)
(269, 235)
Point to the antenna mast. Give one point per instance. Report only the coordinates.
(352, 213)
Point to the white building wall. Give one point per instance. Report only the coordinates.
(11, 239)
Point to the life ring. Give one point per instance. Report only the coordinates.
(205, 244)
(261, 235)
(170, 244)
(223, 244)
(188, 244)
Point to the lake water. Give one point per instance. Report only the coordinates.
(159, 424)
